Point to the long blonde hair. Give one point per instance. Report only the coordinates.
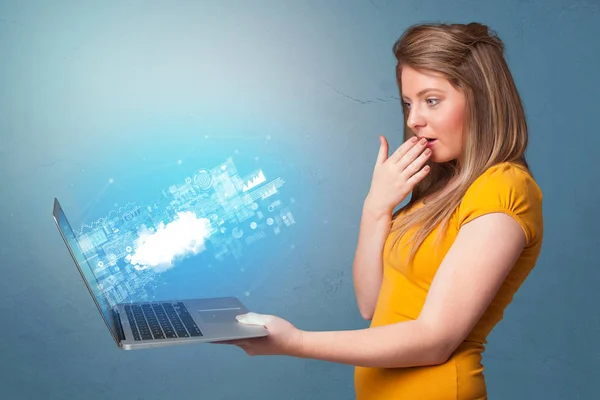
(471, 57)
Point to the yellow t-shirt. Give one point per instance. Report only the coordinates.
(507, 188)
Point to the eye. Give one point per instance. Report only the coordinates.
(432, 102)
(406, 104)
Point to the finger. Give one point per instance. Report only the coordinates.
(412, 154)
(235, 342)
(383, 149)
(419, 176)
(416, 165)
(254, 319)
(403, 149)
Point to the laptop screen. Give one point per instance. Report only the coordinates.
(84, 267)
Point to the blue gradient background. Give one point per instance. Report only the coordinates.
(123, 90)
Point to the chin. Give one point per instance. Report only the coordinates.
(439, 160)
(442, 158)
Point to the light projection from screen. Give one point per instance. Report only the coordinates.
(216, 211)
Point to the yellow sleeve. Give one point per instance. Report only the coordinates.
(508, 189)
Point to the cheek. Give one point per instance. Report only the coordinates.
(450, 126)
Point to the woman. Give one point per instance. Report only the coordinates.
(435, 277)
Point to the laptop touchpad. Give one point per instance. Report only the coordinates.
(219, 316)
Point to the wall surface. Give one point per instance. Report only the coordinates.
(103, 104)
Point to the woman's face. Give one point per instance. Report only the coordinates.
(436, 110)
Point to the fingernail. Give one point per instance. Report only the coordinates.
(239, 317)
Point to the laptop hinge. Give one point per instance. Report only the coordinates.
(118, 325)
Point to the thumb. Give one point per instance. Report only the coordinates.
(254, 319)
(383, 149)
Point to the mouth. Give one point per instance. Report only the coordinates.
(429, 140)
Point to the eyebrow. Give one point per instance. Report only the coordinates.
(424, 91)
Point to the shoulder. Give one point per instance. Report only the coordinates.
(506, 177)
(509, 188)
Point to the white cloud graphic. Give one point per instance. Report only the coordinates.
(178, 239)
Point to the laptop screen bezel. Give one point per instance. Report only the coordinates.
(109, 324)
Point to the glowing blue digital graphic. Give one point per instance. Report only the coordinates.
(215, 208)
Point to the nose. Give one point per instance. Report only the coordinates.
(415, 119)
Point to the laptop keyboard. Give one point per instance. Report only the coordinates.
(150, 321)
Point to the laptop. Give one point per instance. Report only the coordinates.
(142, 325)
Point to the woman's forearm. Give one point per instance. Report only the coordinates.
(367, 269)
(405, 344)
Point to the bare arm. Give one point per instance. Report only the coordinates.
(393, 179)
(453, 306)
(367, 270)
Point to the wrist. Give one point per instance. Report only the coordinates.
(298, 349)
(376, 212)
